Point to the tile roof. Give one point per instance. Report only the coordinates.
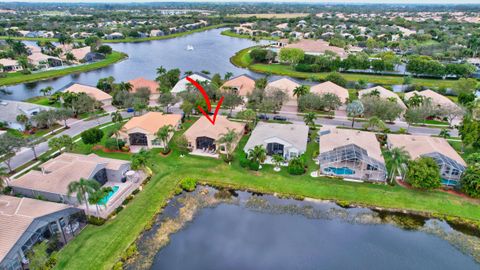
(93, 92)
(203, 127)
(384, 93)
(436, 98)
(285, 84)
(243, 83)
(141, 82)
(332, 88)
(294, 134)
(152, 121)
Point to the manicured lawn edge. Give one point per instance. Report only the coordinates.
(229, 33)
(127, 40)
(240, 59)
(16, 78)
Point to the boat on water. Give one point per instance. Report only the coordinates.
(189, 48)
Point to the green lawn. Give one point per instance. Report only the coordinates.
(100, 247)
(233, 34)
(242, 59)
(18, 77)
(128, 39)
(44, 101)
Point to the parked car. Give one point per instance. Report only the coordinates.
(279, 118)
(130, 110)
(263, 117)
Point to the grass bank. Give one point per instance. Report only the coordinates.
(99, 247)
(232, 34)
(241, 59)
(18, 77)
(124, 40)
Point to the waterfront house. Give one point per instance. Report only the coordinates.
(157, 33)
(40, 60)
(85, 54)
(450, 163)
(25, 222)
(284, 84)
(152, 86)
(383, 93)
(436, 98)
(242, 84)
(51, 181)
(331, 88)
(351, 154)
(141, 131)
(315, 47)
(202, 136)
(115, 35)
(10, 109)
(91, 91)
(287, 140)
(9, 65)
(183, 83)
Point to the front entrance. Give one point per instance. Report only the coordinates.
(206, 143)
(275, 149)
(138, 139)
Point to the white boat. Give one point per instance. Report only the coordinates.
(189, 48)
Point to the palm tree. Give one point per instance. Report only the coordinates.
(46, 91)
(70, 57)
(228, 138)
(84, 188)
(257, 154)
(125, 86)
(227, 76)
(300, 91)
(22, 119)
(355, 109)
(140, 159)
(374, 123)
(3, 177)
(398, 158)
(277, 159)
(163, 134)
(97, 197)
(309, 119)
(161, 70)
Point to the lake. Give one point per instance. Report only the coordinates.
(264, 232)
(212, 52)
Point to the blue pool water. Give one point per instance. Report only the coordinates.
(109, 195)
(340, 171)
(449, 182)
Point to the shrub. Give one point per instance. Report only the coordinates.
(296, 166)
(243, 161)
(118, 209)
(118, 266)
(112, 144)
(336, 78)
(92, 136)
(253, 165)
(423, 173)
(188, 184)
(470, 181)
(136, 191)
(130, 252)
(97, 221)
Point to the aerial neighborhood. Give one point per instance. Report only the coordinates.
(371, 107)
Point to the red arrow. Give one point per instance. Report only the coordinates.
(207, 100)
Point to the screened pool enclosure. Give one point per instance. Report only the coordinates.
(351, 161)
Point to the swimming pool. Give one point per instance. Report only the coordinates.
(340, 171)
(109, 195)
(449, 182)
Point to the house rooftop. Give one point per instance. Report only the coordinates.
(317, 46)
(141, 82)
(59, 172)
(17, 214)
(203, 127)
(384, 93)
(434, 96)
(285, 84)
(243, 83)
(91, 91)
(152, 121)
(183, 82)
(294, 134)
(417, 146)
(332, 138)
(332, 88)
(9, 109)
(8, 62)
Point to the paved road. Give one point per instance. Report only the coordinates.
(76, 127)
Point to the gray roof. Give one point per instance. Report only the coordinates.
(9, 109)
(294, 134)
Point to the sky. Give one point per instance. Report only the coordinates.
(298, 1)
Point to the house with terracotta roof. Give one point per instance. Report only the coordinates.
(40, 60)
(9, 65)
(331, 88)
(25, 222)
(382, 93)
(435, 98)
(152, 86)
(314, 47)
(351, 154)
(284, 84)
(242, 84)
(141, 131)
(51, 181)
(450, 163)
(202, 136)
(91, 91)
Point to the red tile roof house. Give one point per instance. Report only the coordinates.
(242, 84)
(91, 91)
(51, 182)
(152, 86)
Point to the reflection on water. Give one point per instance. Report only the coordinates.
(265, 232)
(212, 52)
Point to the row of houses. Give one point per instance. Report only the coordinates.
(158, 32)
(58, 216)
